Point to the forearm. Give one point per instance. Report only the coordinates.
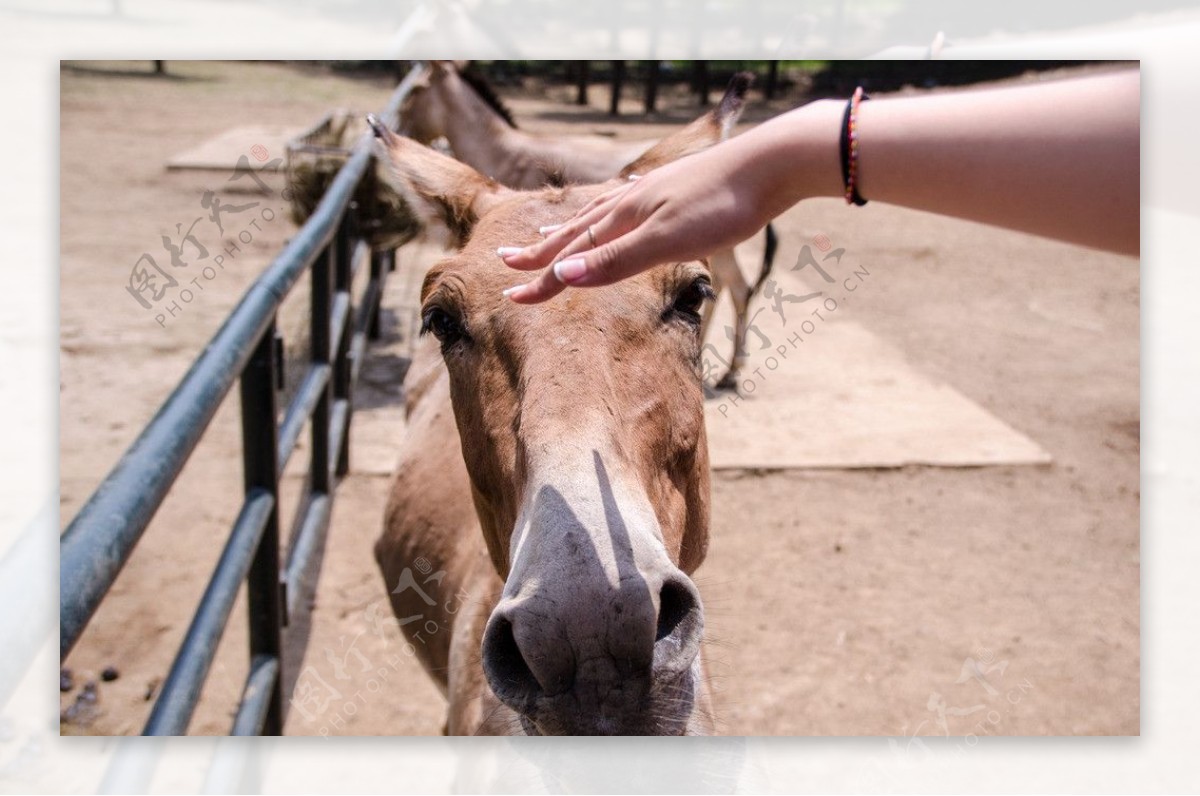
(1057, 159)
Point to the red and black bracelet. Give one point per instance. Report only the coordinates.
(849, 148)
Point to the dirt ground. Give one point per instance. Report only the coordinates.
(910, 601)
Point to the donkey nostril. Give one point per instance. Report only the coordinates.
(680, 626)
(507, 671)
(676, 604)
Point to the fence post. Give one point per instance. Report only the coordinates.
(618, 77)
(581, 82)
(651, 86)
(700, 82)
(261, 471)
(380, 266)
(343, 275)
(321, 315)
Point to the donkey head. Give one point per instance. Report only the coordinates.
(441, 92)
(582, 427)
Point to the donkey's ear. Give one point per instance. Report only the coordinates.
(446, 196)
(709, 129)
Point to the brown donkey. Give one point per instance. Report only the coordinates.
(552, 497)
(459, 106)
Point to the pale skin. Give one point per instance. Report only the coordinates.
(1058, 159)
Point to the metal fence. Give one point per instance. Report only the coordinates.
(247, 348)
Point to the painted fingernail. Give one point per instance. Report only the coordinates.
(549, 229)
(512, 291)
(508, 251)
(569, 270)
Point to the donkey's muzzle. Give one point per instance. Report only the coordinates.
(615, 660)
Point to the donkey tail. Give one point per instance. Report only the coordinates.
(769, 249)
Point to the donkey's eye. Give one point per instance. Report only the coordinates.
(445, 327)
(690, 301)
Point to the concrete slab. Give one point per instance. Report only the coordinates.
(821, 391)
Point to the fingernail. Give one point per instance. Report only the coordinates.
(512, 291)
(508, 251)
(569, 270)
(549, 229)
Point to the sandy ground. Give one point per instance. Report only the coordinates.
(913, 601)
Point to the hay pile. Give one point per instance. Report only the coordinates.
(314, 160)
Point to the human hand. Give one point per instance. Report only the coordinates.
(684, 210)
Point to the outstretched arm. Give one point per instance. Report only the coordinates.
(1058, 159)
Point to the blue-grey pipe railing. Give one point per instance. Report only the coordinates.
(101, 537)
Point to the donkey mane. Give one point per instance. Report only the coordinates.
(484, 90)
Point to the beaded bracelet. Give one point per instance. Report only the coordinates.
(849, 148)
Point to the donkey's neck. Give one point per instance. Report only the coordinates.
(482, 138)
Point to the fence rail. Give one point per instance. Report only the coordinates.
(246, 349)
